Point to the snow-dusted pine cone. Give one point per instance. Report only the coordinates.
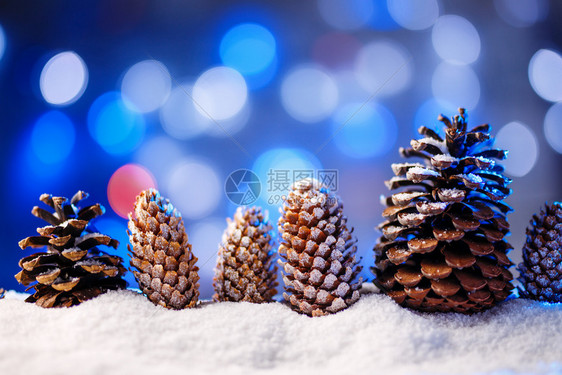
(245, 268)
(73, 269)
(541, 269)
(443, 246)
(318, 251)
(165, 266)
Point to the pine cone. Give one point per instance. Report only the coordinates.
(72, 269)
(443, 246)
(245, 269)
(318, 251)
(541, 269)
(165, 266)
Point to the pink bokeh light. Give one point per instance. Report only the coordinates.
(125, 184)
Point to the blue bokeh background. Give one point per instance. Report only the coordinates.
(186, 92)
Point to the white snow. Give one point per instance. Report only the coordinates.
(411, 216)
(445, 158)
(422, 172)
(427, 206)
(485, 160)
(398, 167)
(122, 332)
(434, 142)
(452, 193)
(472, 178)
(403, 198)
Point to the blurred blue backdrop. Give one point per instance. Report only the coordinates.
(179, 94)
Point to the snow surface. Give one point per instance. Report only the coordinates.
(122, 332)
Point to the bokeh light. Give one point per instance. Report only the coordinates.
(158, 154)
(381, 18)
(289, 159)
(522, 145)
(349, 89)
(229, 126)
(455, 86)
(63, 79)
(383, 67)
(284, 159)
(370, 132)
(179, 117)
(309, 94)
(522, 13)
(346, 14)
(220, 93)
(2, 42)
(125, 184)
(427, 114)
(194, 188)
(553, 127)
(112, 123)
(146, 86)
(455, 40)
(545, 74)
(414, 14)
(249, 48)
(53, 137)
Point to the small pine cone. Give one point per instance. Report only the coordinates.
(73, 269)
(541, 269)
(443, 244)
(245, 268)
(165, 266)
(318, 251)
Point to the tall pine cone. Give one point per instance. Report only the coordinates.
(165, 266)
(541, 269)
(443, 246)
(318, 251)
(72, 269)
(245, 269)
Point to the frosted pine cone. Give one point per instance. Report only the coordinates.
(245, 269)
(72, 269)
(318, 251)
(443, 246)
(165, 266)
(541, 269)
